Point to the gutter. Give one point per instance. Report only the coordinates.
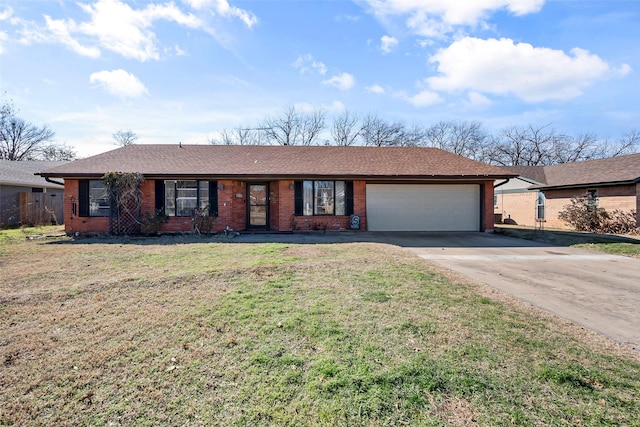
(584, 185)
(46, 178)
(502, 183)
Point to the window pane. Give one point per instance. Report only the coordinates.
(307, 196)
(340, 198)
(540, 206)
(324, 197)
(170, 198)
(186, 197)
(98, 199)
(204, 195)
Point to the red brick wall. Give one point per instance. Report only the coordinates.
(360, 202)
(326, 222)
(232, 209)
(282, 214)
(487, 203)
(77, 224)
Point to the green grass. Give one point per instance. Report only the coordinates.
(627, 249)
(175, 332)
(21, 233)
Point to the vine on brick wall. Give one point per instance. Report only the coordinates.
(126, 202)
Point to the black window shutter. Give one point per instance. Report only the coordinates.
(348, 189)
(213, 198)
(159, 195)
(83, 197)
(298, 198)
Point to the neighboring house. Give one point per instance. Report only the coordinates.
(26, 197)
(540, 193)
(286, 188)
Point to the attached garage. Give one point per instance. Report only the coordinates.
(302, 187)
(423, 207)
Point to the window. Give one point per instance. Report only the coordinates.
(323, 198)
(540, 203)
(93, 198)
(182, 198)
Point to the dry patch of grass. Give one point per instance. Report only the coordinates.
(174, 332)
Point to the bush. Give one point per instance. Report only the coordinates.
(152, 223)
(584, 214)
(621, 222)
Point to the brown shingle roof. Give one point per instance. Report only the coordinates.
(23, 173)
(613, 170)
(279, 161)
(532, 173)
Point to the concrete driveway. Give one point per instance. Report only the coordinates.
(598, 291)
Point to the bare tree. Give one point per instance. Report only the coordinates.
(531, 146)
(413, 136)
(629, 143)
(539, 146)
(380, 133)
(460, 137)
(345, 129)
(238, 136)
(124, 137)
(21, 140)
(58, 152)
(294, 127)
(311, 125)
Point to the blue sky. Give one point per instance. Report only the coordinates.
(182, 70)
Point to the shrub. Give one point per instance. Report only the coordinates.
(584, 214)
(152, 223)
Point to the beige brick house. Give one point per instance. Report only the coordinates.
(288, 188)
(539, 193)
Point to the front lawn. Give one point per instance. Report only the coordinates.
(183, 331)
(627, 249)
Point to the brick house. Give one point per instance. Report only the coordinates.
(540, 193)
(288, 188)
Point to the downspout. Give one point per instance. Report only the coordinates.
(502, 183)
(46, 178)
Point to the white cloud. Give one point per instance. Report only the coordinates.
(126, 31)
(60, 31)
(388, 43)
(477, 101)
(503, 67)
(433, 18)
(116, 26)
(306, 62)
(223, 8)
(3, 38)
(344, 81)
(377, 89)
(119, 83)
(4, 15)
(424, 98)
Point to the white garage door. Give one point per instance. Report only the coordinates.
(406, 207)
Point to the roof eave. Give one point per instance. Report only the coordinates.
(290, 176)
(584, 185)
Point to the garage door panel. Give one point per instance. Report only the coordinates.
(400, 207)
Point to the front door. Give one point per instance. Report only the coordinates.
(258, 206)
